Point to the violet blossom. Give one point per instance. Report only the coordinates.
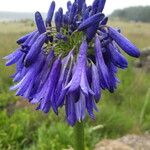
(70, 63)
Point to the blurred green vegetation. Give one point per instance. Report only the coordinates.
(138, 13)
(23, 128)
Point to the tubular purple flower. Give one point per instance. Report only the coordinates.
(90, 106)
(124, 43)
(89, 72)
(24, 45)
(84, 85)
(90, 32)
(60, 10)
(80, 107)
(55, 74)
(63, 75)
(81, 62)
(35, 50)
(84, 7)
(44, 97)
(63, 93)
(96, 83)
(73, 12)
(40, 23)
(65, 20)
(102, 68)
(50, 14)
(69, 4)
(29, 76)
(80, 4)
(45, 70)
(70, 110)
(113, 81)
(28, 87)
(58, 21)
(19, 67)
(112, 69)
(31, 42)
(14, 57)
(94, 7)
(61, 98)
(101, 5)
(117, 58)
(86, 14)
(90, 21)
(19, 76)
(23, 38)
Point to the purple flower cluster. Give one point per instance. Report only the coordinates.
(52, 71)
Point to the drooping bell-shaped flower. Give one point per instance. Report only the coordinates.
(124, 43)
(102, 68)
(79, 79)
(35, 50)
(13, 57)
(96, 83)
(45, 96)
(117, 58)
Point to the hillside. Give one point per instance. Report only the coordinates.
(140, 13)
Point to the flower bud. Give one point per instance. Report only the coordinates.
(40, 23)
(90, 21)
(50, 13)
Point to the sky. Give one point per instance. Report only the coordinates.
(43, 5)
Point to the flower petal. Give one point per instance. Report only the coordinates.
(117, 58)
(75, 81)
(80, 108)
(14, 57)
(23, 38)
(96, 83)
(124, 43)
(70, 110)
(101, 66)
(35, 50)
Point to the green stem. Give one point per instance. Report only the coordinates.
(144, 106)
(79, 136)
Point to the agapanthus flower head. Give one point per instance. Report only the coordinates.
(69, 62)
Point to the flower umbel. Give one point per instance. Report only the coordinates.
(70, 62)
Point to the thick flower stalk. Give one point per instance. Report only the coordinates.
(70, 61)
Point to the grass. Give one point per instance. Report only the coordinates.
(23, 128)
